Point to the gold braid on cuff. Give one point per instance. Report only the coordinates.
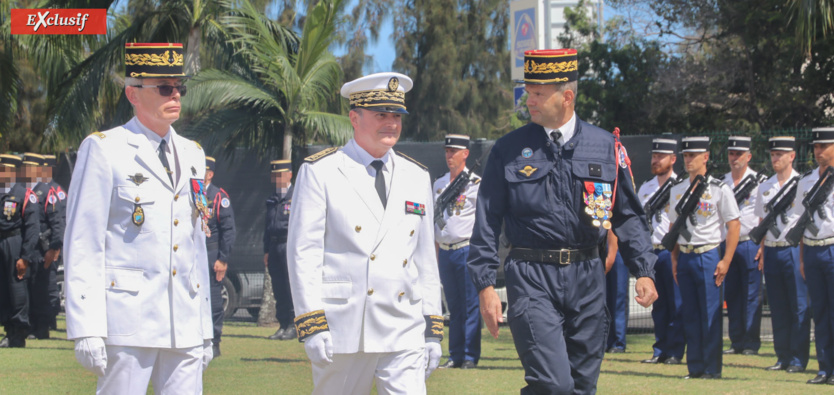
(434, 326)
(311, 323)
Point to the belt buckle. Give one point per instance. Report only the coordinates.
(562, 253)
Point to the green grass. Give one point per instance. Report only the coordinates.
(253, 365)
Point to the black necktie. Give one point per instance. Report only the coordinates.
(379, 183)
(164, 159)
(556, 135)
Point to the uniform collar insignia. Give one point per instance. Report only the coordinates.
(137, 178)
(528, 170)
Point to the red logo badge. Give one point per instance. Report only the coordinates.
(59, 21)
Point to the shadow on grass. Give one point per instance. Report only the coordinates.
(745, 366)
(284, 360)
(248, 337)
(659, 375)
(519, 367)
(499, 359)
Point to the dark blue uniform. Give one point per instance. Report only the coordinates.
(275, 244)
(219, 247)
(44, 296)
(556, 311)
(19, 231)
(616, 299)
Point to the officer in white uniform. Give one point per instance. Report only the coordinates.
(137, 284)
(361, 256)
(743, 286)
(786, 291)
(696, 264)
(816, 254)
(453, 248)
(666, 311)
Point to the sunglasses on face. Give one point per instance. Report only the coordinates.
(165, 90)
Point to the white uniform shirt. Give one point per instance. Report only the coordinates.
(747, 207)
(566, 130)
(363, 157)
(661, 227)
(767, 191)
(716, 207)
(827, 226)
(460, 217)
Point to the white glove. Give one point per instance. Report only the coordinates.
(91, 354)
(208, 353)
(319, 348)
(432, 354)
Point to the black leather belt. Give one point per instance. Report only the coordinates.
(9, 233)
(561, 257)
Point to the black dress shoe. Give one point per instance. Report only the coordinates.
(276, 335)
(468, 365)
(615, 350)
(215, 350)
(830, 381)
(731, 351)
(654, 359)
(289, 334)
(820, 379)
(778, 366)
(693, 376)
(672, 361)
(795, 369)
(710, 376)
(5, 342)
(450, 364)
(31, 337)
(749, 352)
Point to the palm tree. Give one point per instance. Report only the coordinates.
(277, 87)
(814, 19)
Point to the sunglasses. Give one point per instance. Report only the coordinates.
(166, 90)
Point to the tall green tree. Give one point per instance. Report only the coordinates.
(812, 18)
(282, 86)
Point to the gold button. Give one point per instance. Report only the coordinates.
(136, 199)
(112, 283)
(358, 228)
(373, 256)
(177, 196)
(176, 247)
(198, 285)
(175, 272)
(370, 291)
(176, 221)
(412, 232)
(402, 293)
(405, 262)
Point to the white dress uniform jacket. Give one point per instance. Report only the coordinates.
(372, 270)
(136, 285)
(748, 218)
(826, 226)
(767, 191)
(459, 224)
(716, 207)
(661, 227)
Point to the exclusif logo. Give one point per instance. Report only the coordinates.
(59, 21)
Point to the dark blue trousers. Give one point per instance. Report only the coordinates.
(277, 266)
(702, 319)
(788, 299)
(743, 293)
(666, 310)
(819, 275)
(559, 324)
(216, 292)
(464, 306)
(616, 299)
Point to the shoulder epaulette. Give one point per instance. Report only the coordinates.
(321, 154)
(715, 181)
(100, 135)
(198, 145)
(807, 173)
(412, 160)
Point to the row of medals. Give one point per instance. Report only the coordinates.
(599, 208)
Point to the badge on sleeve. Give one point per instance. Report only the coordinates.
(415, 208)
(52, 199)
(61, 194)
(225, 203)
(33, 199)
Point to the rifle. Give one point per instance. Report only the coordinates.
(661, 198)
(686, 211)
(451, 193)
(743, 189)
(813, 202)
(777, 207)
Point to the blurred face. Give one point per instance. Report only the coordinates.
(28, 173)
(662, 163)
(781, 160)
(738, 159)
(282, 179)
(695, 162)
(209, 176)
(8, 175)
(153, 109)
(548, 107)
(376, 132)
(824, 154)
(456, 158)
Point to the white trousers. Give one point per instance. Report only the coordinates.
(402, 372)
(172, 370)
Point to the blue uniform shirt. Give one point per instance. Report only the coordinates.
(536, 190)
